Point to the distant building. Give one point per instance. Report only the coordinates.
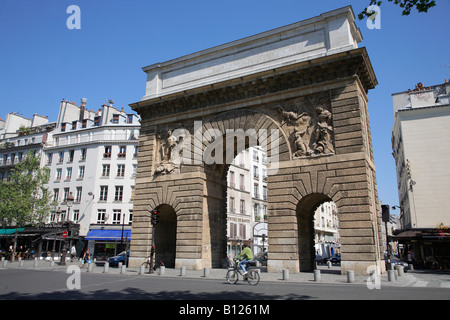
(326, 229)
(93, 157)
(420, 140)
(19, 135)
(247, 201)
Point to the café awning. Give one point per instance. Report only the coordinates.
(111, 235)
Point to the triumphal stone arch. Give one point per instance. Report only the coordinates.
(300, 92)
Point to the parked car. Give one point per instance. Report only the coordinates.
(114, 261)
(319, 259)
(336, 258)
(262, 257)
(394, 261)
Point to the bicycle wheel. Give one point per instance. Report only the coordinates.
(253, 277)
(232, 276)
(146, 266)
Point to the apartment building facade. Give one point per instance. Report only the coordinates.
(93, 158)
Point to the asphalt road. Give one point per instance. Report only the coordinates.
(17, 284)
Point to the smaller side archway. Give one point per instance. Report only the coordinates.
(166, 236)
(305, 210)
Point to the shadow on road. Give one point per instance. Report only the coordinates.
(138, 294)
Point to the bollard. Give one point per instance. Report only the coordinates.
(52, 263)
(391, 275)
(90, 267)
(350, 276)
(123, 269)
(205, 272)
(395, 274)
(410, 267)
(182, 271)
(142, 270)
(36, 263)
(162, 270)
(21, 262)
(106, 267)
(316, 275)
(400, 271)
(285, 274)
(5, 263)
(329, 264)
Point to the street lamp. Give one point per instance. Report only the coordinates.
(69, 203)
(58, 213)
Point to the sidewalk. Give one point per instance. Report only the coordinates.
(418, 278)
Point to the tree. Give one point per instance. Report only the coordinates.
(24, 198)
(407, 5)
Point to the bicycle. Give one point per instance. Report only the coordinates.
(233, 273)
(146, 264)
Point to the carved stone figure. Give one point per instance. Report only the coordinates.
(166, 153)
(323, 131)
(310, 128)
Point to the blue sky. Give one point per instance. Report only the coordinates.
(42, 61)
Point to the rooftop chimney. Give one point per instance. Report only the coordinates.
(83, 103)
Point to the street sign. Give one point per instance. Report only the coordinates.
(65, 234)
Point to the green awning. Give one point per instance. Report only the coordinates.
(9, 231)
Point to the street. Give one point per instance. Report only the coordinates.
(18, 284)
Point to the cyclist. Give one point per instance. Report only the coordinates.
(245, 256)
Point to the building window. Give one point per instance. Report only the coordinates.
(49, 158)
(101, 213)
(61, 157)
(107, 153)
(58, 174)
(83, 155)
(232, 204)
(232, 179)
(105, 171)
(66, 194)
(80, 172)
(120, 170)
(255, 172)
(55, 194)
(242, 206)
(78, 195)
(117, 216)
(122, 152)
(115, 118)
(130, 218)
(241, 182)
(103, 193)
(68, 173)
(255, 191)
(76, 215)
(119, 193)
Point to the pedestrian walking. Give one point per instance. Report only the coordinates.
(86, 257)
(73, 253)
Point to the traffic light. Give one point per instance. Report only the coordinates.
(155, 217)
(385, 213)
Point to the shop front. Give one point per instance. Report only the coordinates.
(428, 248)
(107, 242)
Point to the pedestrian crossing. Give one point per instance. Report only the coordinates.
(431, 284)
